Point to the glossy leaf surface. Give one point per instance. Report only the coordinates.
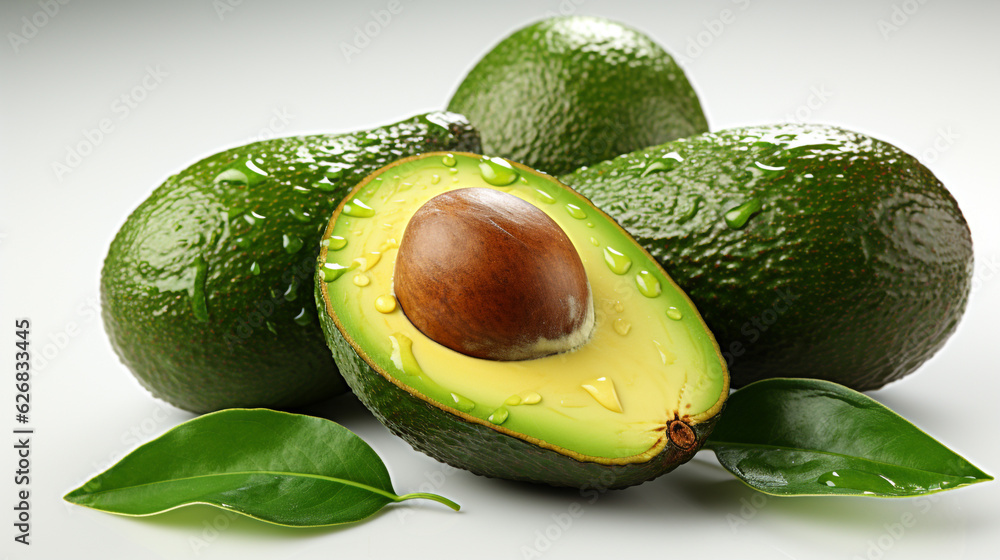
(792, 437)
(277, 467)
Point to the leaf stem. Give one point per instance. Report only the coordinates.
(426, 496)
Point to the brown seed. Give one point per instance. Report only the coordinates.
(491, 276)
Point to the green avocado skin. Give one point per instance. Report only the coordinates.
(207, 288)
(479, 449)
(572, 91)
(856, 268)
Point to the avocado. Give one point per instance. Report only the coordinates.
(207, 288)
(571, 91)
(563, 354)
(811, 251)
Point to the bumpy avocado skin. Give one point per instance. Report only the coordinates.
(207, 288)
(856, 268)
(477, 448)
(572, 91)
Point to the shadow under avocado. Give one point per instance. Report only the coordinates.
(343, 409)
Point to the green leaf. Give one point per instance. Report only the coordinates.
(805, 437)
(282, 468)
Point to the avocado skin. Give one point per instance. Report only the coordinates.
(477, 448)
(572, 91)
(233, 359)
(857, 275)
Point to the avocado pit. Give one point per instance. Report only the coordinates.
(489, 275)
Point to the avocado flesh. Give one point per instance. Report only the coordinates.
(810, 250)
(207, 288)
(572, 91)
(652, 349)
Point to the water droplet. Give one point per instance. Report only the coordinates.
(448, 160)
(231, 178)
(738, 217)
(293, 289)
(619, 306)
(531, 397)
(672, 156)
(462, 403)
(385, 304)
(576, 211)
(358, 209)
(767, 167)
(616, 261)
(523, 180)
(435, 179)
(390, 243)
(366, 262)
(271, 327)
(303, 318)
(453, 171)
(253, 167)
(543, 196)
(497, 171)
(241, 242)
(595, 242)
(199, 303)
(299, 214)
(665, 163)
(255, 269)
(648, 285)
(590, 224)
(603, 391)
(292, 244)
(332, 271)
(853, 479)
(336, 243)
(691, 212)
(622, 326)
(499, 415)
(325, 186)
(666, 356)
(334, 175)
(361, 280)
(402, 357)
(674, 313)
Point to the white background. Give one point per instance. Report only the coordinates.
(923, 76)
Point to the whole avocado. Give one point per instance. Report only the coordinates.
(206, 289)
(811, 251)
(572, 91)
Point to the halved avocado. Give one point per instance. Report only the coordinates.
(631, 394)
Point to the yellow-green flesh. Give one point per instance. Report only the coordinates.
(650, 360)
